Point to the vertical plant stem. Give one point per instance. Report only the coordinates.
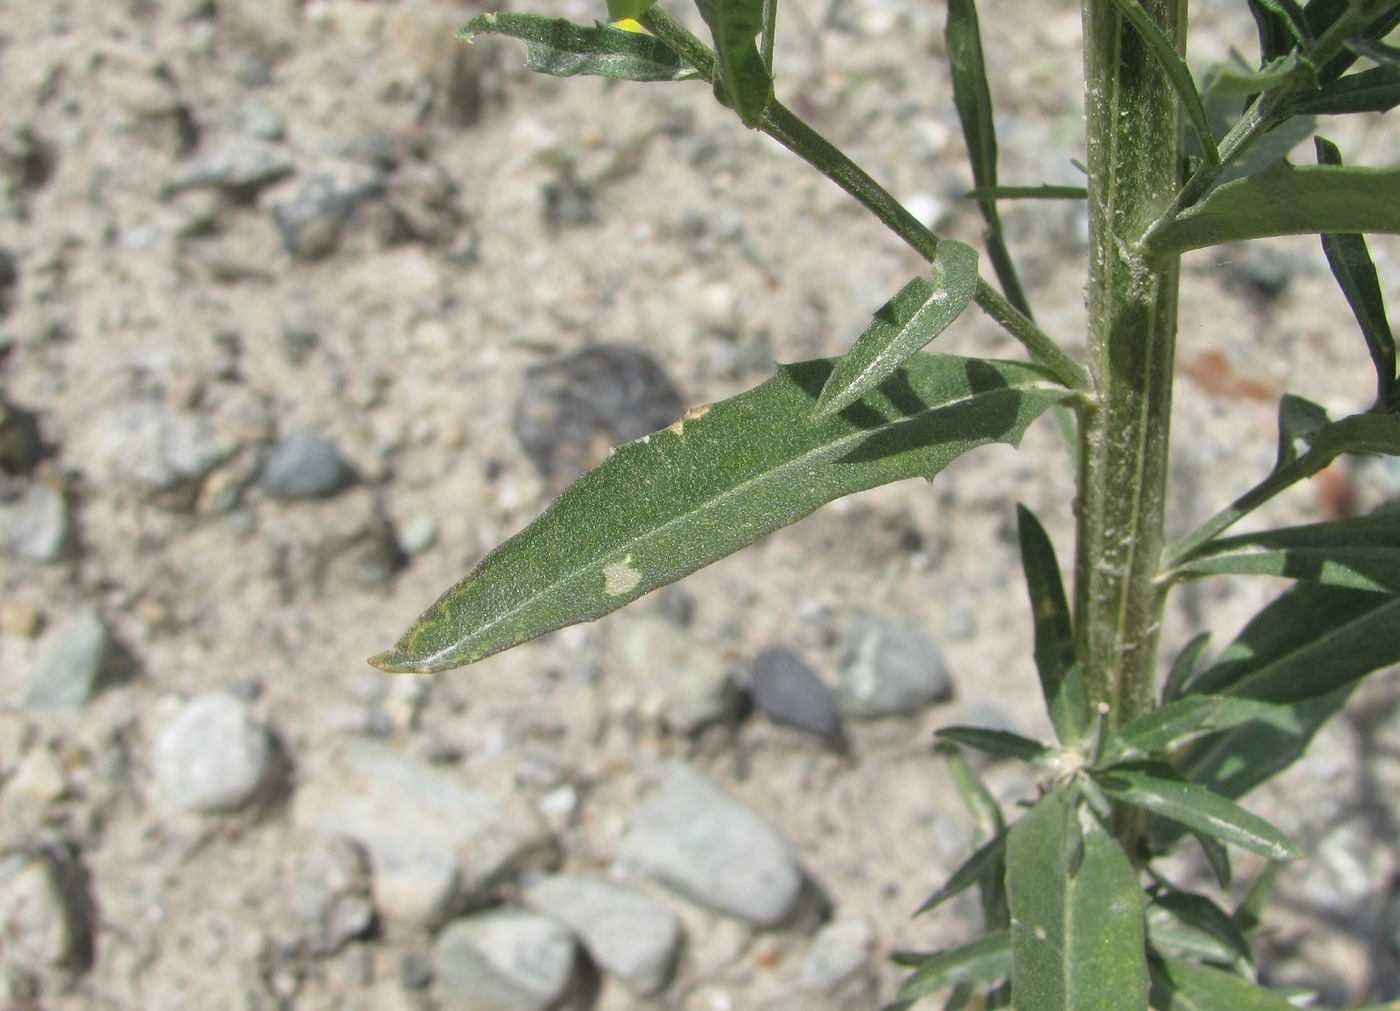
(1135, 146)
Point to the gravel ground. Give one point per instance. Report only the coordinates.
(274, 278)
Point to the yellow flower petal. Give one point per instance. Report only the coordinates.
(629, 25)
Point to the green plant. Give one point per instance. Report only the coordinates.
(1076, 915)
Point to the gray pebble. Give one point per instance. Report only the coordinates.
(789, 692)
(70, 661)
(573, 409)
(628, 934)
(241, 164)
(692, 837)
(156, 447)
(311, 212)
(212, 755)
(890, 670)
(838, 952)
(20, 444)
(433, 843)
(304, 464)
(41, 917)
(329, 895)
(35, 525)
(505, 960)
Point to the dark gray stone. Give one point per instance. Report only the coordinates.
(304, 464)
(20, 444)
(573, 409)
(789, 692)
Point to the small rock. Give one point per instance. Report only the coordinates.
(311, 212)
(70, 661)
(692, 678)
(838, 952)
(240, 164)
(692, 837)
(329, 895)
(304, 464)
(156, 447)
(431, 842)
(39, 776)
(35, 525)
(417, 533)
(789, 692)
(20, 444)
(574, 409)
(629, 935)
(18, 617)
(40, 914)
(212, 755)
(890, 670)
(9, 281)
(505, 960)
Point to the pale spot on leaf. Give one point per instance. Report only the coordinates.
(619, 577)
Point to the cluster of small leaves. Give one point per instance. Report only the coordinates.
(1069, 921)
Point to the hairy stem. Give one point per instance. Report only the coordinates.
(1135, 145)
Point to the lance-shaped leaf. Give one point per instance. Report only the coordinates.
(1061, 677)
(991, 856)
(1281, 24)
(1373, 90)
(988, 826)
(1362, 553)
(1376, 29)
(1177, 723)
(922, 310)
(1002, 743)
(1376, 51)
(742, 80)
(1286, 200)
(1184, 668)
(563, 49)
(1356, 275)
(983, 962)
(1076, 924)
(1178, 985)
(1289, 71)
(663, 506)
(1183, 923)
(1155, 788)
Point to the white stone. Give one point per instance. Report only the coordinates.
(212, 755)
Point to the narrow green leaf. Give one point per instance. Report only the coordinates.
(1178, 73)
(1298, 420)
(971, 95)
(1218, 857)
(1184, 668)
(1061, 678)
(1178, 985)
(1282, 25)
(983, 962)
(1249, 913)
(1373, 90)
(1360, 433)
(1362, 552)
(1076, 933)
(1186, 924)
(1376, 51)
(742, 80)
(563, 49)
(988, 857)
(669, 503)
(988, 826)
(1177, 723)
(1156, 789)
(1309, 642)
(922, 310)
(1002, 743)
(1351, 265)
(1287, 200)
(1376, 29)
(1289, 71)
(619, 10)
(1042, 192)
